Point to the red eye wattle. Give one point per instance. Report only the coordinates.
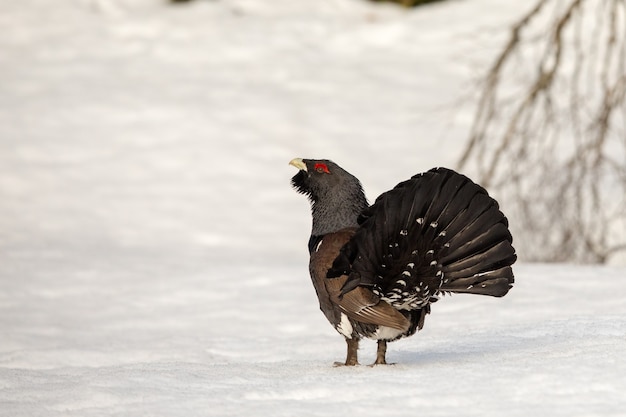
(319, 167)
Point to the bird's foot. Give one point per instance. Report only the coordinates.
(338, 364)
(383, 362)
(351, 357)
(381, 353)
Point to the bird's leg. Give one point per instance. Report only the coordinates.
(381, 352)
(351, 357)
(353, 347)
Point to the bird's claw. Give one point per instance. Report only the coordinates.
(380, 363)
(338, 364)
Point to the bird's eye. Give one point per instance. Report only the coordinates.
(321, 168)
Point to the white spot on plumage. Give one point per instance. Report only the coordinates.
(408, 303)
(401, 282)
(318, 246)
(433, 263)
(344, 327)
(410, 265)
(443, 233)
(406, 273)
(420, 220)
(404, 232)
(430, 252)
(433, 225)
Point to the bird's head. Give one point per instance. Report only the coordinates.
(336, 196)
(319, 179)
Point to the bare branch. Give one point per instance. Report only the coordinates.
(554, 152)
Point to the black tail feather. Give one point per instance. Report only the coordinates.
(462, 247)
(480, 263)
(495, 283)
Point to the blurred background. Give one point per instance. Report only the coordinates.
(166, 126)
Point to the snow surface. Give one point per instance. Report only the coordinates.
(153, 256)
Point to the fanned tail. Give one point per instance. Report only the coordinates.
(437, 232)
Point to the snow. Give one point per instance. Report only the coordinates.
(153, 257)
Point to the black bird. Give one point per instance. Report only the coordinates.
(376, 269)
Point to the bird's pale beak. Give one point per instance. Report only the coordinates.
(298, 163)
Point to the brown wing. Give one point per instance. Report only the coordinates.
(359, 304)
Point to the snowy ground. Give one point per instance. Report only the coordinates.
(153, 257)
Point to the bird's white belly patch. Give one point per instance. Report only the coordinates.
(344, 327)
(384, 332)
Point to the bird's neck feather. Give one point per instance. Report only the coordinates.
(334, 212)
